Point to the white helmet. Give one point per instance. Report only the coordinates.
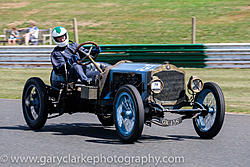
(59, 32)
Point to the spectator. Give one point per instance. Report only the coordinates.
(14, 35)
(32, 35)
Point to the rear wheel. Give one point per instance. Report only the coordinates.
(211, 97)
(34, 103)
(128, 113)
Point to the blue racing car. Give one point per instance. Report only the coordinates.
(128, 95)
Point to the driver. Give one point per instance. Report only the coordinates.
(63, 59)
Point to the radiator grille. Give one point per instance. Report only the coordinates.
(174, 87)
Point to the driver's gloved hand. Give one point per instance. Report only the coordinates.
(96, 51)
(100, 50)
(72, 60)
(83, 49)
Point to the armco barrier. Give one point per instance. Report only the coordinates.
(227, 55)
(25, 56)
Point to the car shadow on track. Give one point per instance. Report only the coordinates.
(100, 134)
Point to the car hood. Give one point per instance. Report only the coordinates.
(135, 67)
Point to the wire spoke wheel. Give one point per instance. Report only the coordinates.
(34, 102)
(205, 122)
(32, 99)
(128, 113)
(211, 97)
(125, 113)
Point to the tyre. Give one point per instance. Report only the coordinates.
(106, 120)
(128, 114)
(211, 97)
(34, 103)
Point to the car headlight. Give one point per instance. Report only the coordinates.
(195, 84)
(156, 86)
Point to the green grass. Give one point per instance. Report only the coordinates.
(12, 80)
(135, 21)
(234, 83)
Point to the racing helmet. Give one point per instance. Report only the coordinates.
(58, 32)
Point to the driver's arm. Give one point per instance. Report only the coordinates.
(81, 54)
(58, 63)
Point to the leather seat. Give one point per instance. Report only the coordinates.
(56, 79)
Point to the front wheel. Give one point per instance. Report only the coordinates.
(34, 103)
(211, 97)
(128, 113)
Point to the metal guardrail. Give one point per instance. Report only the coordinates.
(25, 56)
(228, 55)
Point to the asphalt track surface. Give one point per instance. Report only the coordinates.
(80, 140)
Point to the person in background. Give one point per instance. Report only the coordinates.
(14, 35)
(31, 35)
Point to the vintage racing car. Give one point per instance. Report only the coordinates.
(128, 95)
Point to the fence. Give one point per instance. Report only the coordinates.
(182, 55)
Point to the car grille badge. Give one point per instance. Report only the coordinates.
(168, 67)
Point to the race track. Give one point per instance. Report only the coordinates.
(80, 140)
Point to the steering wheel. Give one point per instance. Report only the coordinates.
(88, 55)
